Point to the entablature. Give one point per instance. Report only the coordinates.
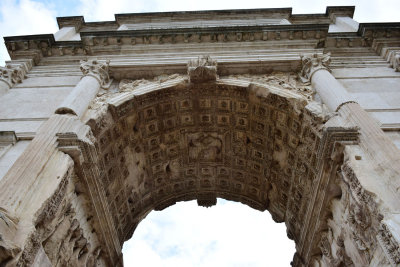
(276, 28)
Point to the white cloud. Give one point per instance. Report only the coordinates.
(22, 18)
(229, 234)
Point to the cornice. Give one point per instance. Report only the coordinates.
(95, 40)
(46, 46)
(190, 15)
(344, 11)
(211, 29)
(72, 21)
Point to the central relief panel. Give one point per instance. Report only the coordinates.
(205, 147)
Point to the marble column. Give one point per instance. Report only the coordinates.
(334, 95)
(95, 76)
(316, 71)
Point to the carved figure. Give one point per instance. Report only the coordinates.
(203, 69)
(204, 147)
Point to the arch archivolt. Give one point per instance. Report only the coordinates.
(231, 139)
(257, 140)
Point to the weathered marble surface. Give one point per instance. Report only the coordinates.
(177, 110)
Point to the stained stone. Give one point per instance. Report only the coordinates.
(103, 122)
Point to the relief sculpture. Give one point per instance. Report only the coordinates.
(204, 147)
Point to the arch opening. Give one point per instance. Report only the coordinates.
(225, 235)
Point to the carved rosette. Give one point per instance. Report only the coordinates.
(97, 70)
(203, 69)
(312, 63)
(12, 75)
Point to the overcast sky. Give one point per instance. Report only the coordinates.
(229, 234)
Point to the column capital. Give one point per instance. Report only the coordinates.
(313, 62)
(96, 69)
(12, 75)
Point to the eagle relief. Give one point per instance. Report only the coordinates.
(205, 147)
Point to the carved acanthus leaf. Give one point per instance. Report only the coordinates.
(312, 63)
(203, 69)
(325, 246)
(279, 81)
(12, 75)
(96, 69)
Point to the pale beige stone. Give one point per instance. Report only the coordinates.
(246, 105)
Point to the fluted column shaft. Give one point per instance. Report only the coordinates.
(95, 76)
(372, 139)
(315, 70)
(332, 93)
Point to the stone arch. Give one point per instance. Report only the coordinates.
(255, 141)
(260, 140)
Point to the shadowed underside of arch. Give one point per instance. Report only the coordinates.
(170, 141)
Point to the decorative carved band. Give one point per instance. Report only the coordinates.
(203, 69)
(332, 135)
(312, 63)
(356, 189)
(88, 169)
(328, 151)
(389, 244)
(96, 69)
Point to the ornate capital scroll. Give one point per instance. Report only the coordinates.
(96, 69)
(203, 69)
(312, 63)
(394, 60)
(12, 75)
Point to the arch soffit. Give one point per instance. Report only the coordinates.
(163, 142)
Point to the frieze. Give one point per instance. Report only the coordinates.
(99, 41)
